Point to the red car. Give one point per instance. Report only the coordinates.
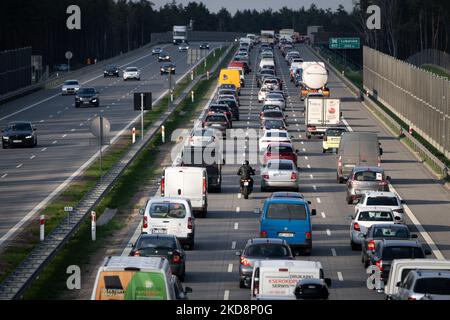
(280, 151)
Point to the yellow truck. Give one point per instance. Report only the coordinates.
(230, 76)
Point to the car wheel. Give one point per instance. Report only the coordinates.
(306, 252)
(4, 146)
(349, 200)
(366, 264)
(354, 246)
(182, 276)
(77, 105)
(242, 284)
(324, 151)
(340, 180)
(35, 143)
(161, 73)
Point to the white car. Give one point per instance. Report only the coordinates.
(275, 99)
(382, 199)
(366, 217)
(271, 84)
(278, 173)
(183, 47)
(170, 216)
(203, 137)
(156, 50)
(262, 94)
(271, 136)
(70, 87)
(131, 73)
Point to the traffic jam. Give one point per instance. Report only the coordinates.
(267, 159)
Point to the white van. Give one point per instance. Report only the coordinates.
(278, 278)
(170, 216)
(401, 267)
(187, 182)
(266, 62)
(134, 278)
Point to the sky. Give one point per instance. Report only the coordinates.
(233, 5)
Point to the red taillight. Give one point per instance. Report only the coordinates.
(204, 185)
(340, 162)
(265, 176)
(145, 222)
(379, 264)
(176, 258)
(379, 162)
(356, 226)
(283, 270)
(190, 225)
(308, 235)
(294, 176)
(162, 186)
(263, 234)
(136, 254)
(412, 298)
(245, 262)
(371, 245)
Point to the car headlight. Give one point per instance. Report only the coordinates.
(94, 99)
(28, 137)
(6, 138)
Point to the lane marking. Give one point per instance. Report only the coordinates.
(43, 149)
(333, 252)
(340, 277)
(311, 176)
(72, 130)
(308, 166)
(233, 245)
(4, 176)
(315, 187)
(64, 135)
(318, 200)
(236, 225)
(323, 215)
(41, 121)
(33, 156)
(19, 165)
(230, 267)
(239, 196)
(306, 157)
(54, 142)
(226, 295)
(238, 209)
(328, 232)
(304, 150)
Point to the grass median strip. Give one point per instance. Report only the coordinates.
(18, 249)
(80, 249)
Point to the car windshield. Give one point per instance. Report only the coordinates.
(375, 216)
(274, 124)
(391, 232)
(280, 165)
(132, 69)
(440, 286)
(267, 250)
(367, 176)
(164, 54)
(286, 211)
(275, 96)
(273, 114)
(156, 242)
(203, 133)
(216, 118)
(167, 210)
(111, 68)
(276, 134)
(335, 132)
(87, 91)
(280, 149)
(382, 201)
(71, 83)
(402, 252)
(20, 127)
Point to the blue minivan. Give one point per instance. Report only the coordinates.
(288, 219)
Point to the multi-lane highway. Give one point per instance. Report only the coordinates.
(29, 178)
(212, 268)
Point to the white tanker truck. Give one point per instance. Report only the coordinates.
(314, 79)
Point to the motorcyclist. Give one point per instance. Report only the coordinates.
(246, 171)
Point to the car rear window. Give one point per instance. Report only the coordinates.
(276, 134)
(269, 250)
(273, 114)
(280, 149)
(87, 91)
(382, 201)
(375, 216)
(436, 285)
(20, 127)
(167, 210)
(286, 211)
(71, 83)
(216, 118)
(390, 232)
(335, 133)
(154, 242)
(132, 69)
(280, 165)
(403, 252)
(366, 176)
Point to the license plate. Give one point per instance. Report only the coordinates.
(85, 102)
(286, 234)
(246, 183)
(159, 231)
(350, 165)
(17, 141)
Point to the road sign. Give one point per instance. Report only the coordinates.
(69, 55)
(100, 127)
(345, 43)
(68, 209)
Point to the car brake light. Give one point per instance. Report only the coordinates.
(245, 262)
(412, 298)
(136, 254)
(356, 226)
(371, 245)
(340, 162)
(190, 225)
(379, 264)
(204, 185)
(294, 176)
(265, 176)
(308, 235)
(162, 186)
(263, 234)
(283, 270)
(176, 258)
(379, 162)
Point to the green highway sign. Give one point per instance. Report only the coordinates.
(345, 43)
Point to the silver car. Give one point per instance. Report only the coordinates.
(279, 173)
(425, 285)
(70, 87)
(365, 179)
(131, 73)
(204, 137)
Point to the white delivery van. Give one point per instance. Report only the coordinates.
(267, 63)
(401, 267)
(134, 278)
(278, 278)
(321, 114)
(187, 182)
(170, 216)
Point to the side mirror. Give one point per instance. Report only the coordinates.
(188, 290)
(34, 129)
(297, 151)
(309, 202)
(328, 281)
(313, 212)
(141, 211)
(130, 245)
(414, 236)
(239, 253)
(388, 178)
(427, 252)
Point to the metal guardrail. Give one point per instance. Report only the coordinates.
(16, 283)
(368, 102)
(75, 74)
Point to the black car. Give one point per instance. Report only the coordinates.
(204, 45)
(111, 71)
(233, 106)
(19, 133)
(377, 233)
(222, 108)
(180, 292)
(87, 97)
(163, 56)
(260, 249)
(168, 68)
(312, 289)
(162, 245)
(262, 73)
(389, 250)
(274, 124)
(217, 121)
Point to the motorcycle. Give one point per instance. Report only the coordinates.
(246, 187)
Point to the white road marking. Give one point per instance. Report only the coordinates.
(239, 195)
(81, 124)
(19, 165)
(306, 157)
(323, 215)
(50, 116)
(236, 225)
(328, 232)
(314, 187)
(340, 277)
(308, 166)
(4, 176)
(54, 142)
(64, 135)
(238, 209)
(43, 149)
(72, 130)
(226, 295)
(33, 156)
(230, 267)
(59, 112)
(347, 125)
(318, 200)
(41, 121)
(304, 150)
(333, 252)
(233, 245)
